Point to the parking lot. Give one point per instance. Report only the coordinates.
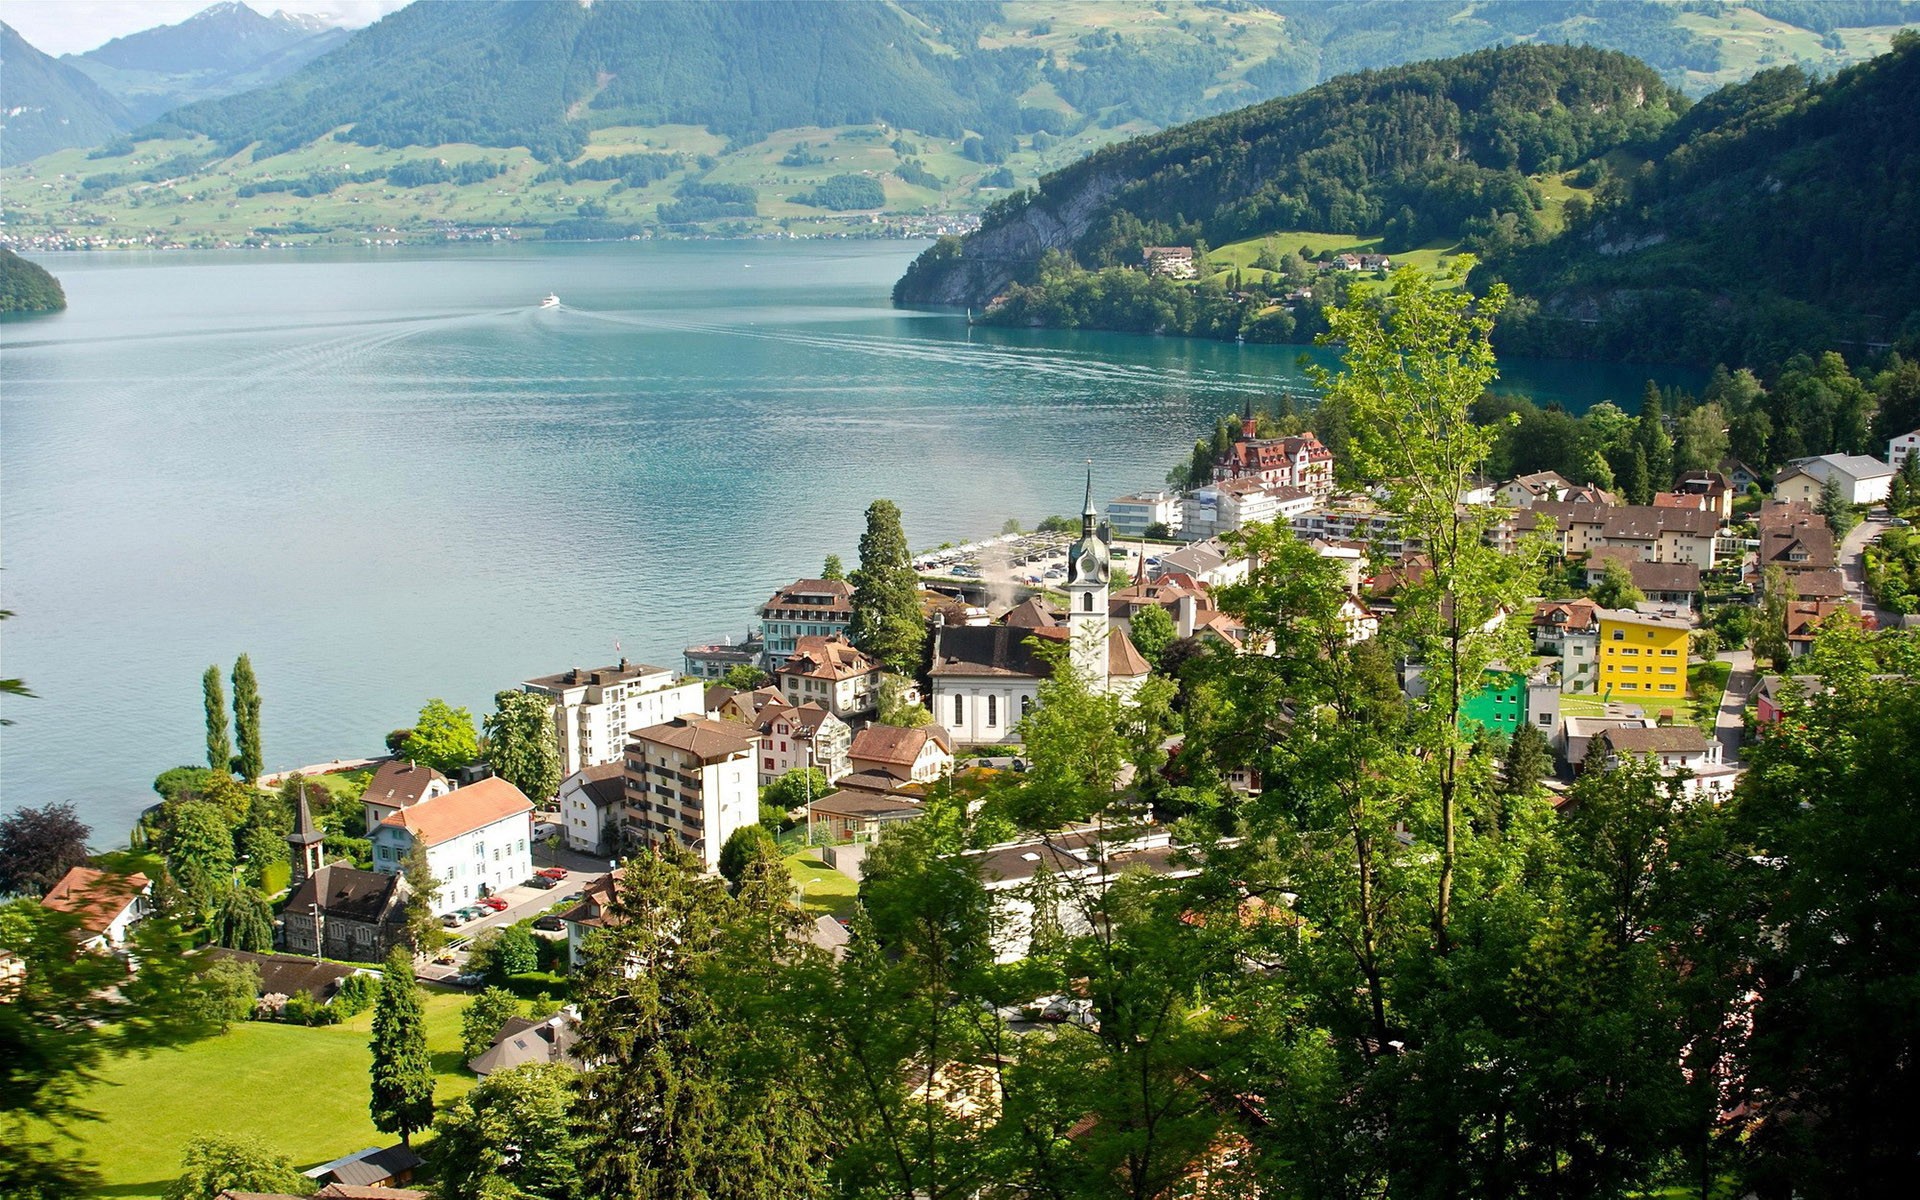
(522, 902)
(1036, 560)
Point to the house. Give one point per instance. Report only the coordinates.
(857, 815)
(1899, 448)
(341, 912)
(804, 608)
(1022, 878)
(1804, 618)
(1796, 549)
(594, 709)
(107, 904)
(1770, 696)
(1375, 262)
(1713, 489)
(1663, 582)
(744, 707)
(909, 755)
(985, 677)
(332, 1191)
(1570, 630)
(807, 736)
(1297, 461)
(372, 1170)
(712, 660)
(1862, 479)
(476, 837)
(1739, 475)
(1525, 491)
(590, 807)
(286, 974)
(833, 673)
(1171, 262)
(1680, 750)
(1351, 519)
(692, 780)
(526, 1041)
(1498, 705)
(1668, 535)
(397, 784)
(1132, 515)
(1347, 262)
(1235, 504)
(1642, 656)
(1577, 735)
(1210, 562)
(593, 912)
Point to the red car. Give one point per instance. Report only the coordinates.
(552, 873)
(494, 902)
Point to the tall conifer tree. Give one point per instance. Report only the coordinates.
(246, 720)
(402, 1100)
(219, 745)
(887, 621)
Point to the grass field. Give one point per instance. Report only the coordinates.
(823, 890)
(300, 1091)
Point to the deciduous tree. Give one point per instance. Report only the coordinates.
(512, 1135)
(244, 921)
(38, 846)
(216, 1163)
(442, 737)
(1152, 632)
(482, 1017)
(522, 745)
(199, 849)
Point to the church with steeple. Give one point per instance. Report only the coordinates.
(1089, 576)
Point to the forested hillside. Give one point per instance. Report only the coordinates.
(1779, 214)
(1418, 150)
(46, 105)
(27, 286)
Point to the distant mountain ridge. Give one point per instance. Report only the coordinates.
(46, 105)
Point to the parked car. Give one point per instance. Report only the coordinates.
(452, 919)
(555, 873)
(573, 898)
(550, 923)
(472, 912)
(445, 960)
(493, 903)
(470, 979)
(541, 881)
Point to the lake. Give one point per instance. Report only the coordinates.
(388, 476)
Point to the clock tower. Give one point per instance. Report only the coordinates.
(1089, 572)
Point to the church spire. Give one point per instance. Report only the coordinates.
(307, 841)
(1087, 514)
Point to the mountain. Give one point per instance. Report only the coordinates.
(1779, 214)
(46, 105)
(1424, 148)
(218, 51)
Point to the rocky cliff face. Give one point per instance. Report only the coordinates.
(994, 258)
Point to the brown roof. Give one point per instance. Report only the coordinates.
(995, 650)
(806, 719)
(96, 897)
(1564, 614)
(844, 803)
(831, 658)
(1030, 614)
(286, 974)
(893, 745)
(362, 1178)
(1123, 658)
(1798, 547)
(1819, 585)
(1660, 739)
(348, 892)
(398, 783)
(604, 784)
(837, 594)
(462, 810)
(698, 736)
(522, 1040)
(598, 676)
(1649, 576)
(341, 1191)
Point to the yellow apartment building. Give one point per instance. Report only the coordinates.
(1642, 656)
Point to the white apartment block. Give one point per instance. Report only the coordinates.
(692, 780)
(1129, 516)
(479, 841)
(594, 710)
(1899, 448)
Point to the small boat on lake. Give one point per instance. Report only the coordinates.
(552, 301)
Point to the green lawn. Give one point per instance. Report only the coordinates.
(823, 890)
(301, 1091)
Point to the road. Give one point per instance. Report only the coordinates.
(522, 902)
(1727, 723)
(1855, 570)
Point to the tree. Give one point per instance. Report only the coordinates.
(215, 1163)
(482, 1017)
(244, 921)
(227, 990)
(402, 1093)
(38, 846)
(1152, 632)
(175, 783)
(743, 677)
(887, 621)
(1529, 759)
(248, 762)
(1770, 626)
(1616, 587)
(261, 839)
(1834, 507)
(512, 1135)
(442, 737)
(1700, 441)
(522, 745)
(199, 849)
(894, 707)
(741, 846)
(832, 570)
(9, 686)
(793, 789)
(512, 952)
(424, 931)
(219, 745)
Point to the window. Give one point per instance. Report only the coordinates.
(1629, 687)
(993, 711)
(523, 845)
(1619, 635)
(959, 711)
(1669, 653)
(1086, 602)
(1546, 718)
(449, 874)
(1668, 670)
(480, 849)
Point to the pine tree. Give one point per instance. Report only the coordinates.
(402, 1100)
(219, 745)
(522, 746)
(1650, 436)
(887, 620)
(246, 720)
(1640, 479)
(424, 931)
(832, 570)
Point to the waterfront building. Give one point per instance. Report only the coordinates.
(833, 673)
(107, 904)
(803, 736)
(713, 660)
(804, 608)
(593, 710)
(1130, 516)
(691, 780)
(397, 784)
(478, 840)
(919, 755)
(344, 913)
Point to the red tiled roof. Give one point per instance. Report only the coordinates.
(96, 897)
(462, 810)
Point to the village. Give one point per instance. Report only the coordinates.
(797, 734)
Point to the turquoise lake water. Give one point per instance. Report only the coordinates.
(388, 476)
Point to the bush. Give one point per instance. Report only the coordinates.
(513, 953)
(355, 995)
(482, 1017)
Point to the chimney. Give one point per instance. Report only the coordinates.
(1186, 607)
(623, 662)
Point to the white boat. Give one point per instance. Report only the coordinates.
(552, 301)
